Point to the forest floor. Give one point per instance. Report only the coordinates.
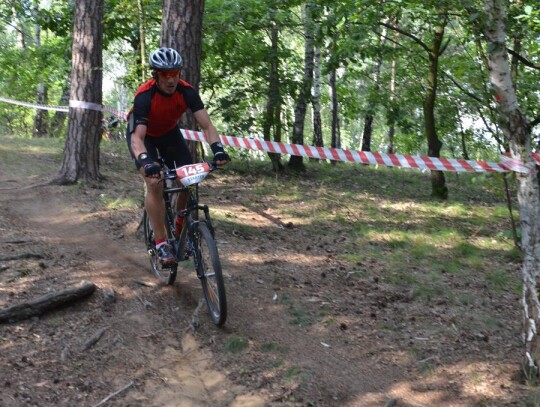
(306, 326)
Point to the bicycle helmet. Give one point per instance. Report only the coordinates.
(166, 58)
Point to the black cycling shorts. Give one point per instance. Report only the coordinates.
(171, 147)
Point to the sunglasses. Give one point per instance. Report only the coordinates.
(168, 74)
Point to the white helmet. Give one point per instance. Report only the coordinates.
(166, 58)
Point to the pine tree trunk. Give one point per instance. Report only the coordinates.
(181, 29)
(81, 150)
(517, 130)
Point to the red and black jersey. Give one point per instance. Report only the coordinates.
(160, 112)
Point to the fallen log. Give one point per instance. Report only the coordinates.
(22, 256)
(41, 305)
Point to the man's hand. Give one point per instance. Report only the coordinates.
(149, 166)
(220, 156)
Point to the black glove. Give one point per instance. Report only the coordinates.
(219, 153)
(150, 167)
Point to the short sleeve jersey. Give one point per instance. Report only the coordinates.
(160, 112)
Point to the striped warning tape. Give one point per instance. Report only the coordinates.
(366, 157)
(507, 164)
(38, 106)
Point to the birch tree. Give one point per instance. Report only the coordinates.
(518, 133)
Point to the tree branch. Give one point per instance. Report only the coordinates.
(523, 60)
(407, 34)
(468, 93)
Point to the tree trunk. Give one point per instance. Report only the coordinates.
(273, 109)
(391, 119)
(81, 150)
(316, 100)
(368, 122)
(40, 117)
(295, 161)
(58, 125)
(517, 130)
(368, 130)
(142, 39)
(335, 142)
(438, 181)
(181, 29)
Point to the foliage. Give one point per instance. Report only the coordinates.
(355, 38)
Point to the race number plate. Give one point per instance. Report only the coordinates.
(192, 173)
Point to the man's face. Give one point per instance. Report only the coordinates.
(167, 80)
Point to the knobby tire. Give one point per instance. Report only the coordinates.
(210, 274)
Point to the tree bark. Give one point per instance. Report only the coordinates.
(81, 150)
(516, 128)
(181, 29)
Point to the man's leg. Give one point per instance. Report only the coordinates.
(155, 207)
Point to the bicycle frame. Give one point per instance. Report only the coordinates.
(197, 230)
(190, 215)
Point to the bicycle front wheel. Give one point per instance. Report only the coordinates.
(208, 265)
(166, 275)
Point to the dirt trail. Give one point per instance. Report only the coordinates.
(147, 341)
(311, 321)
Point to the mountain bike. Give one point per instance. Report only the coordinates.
(196, 240)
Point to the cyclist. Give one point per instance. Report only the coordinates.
(153, 128)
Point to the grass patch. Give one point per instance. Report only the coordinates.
(236, 344)
(272, 347)
(499, 280)
(299, 316)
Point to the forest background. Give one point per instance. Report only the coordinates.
(396, 77)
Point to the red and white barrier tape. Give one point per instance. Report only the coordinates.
(95, 106)
(38, 106)
(364, 157)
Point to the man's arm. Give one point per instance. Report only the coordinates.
(212, 136)
(206, 125)
(137, 140)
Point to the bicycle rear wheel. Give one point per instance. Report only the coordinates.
(166, 275)
(208, 265)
